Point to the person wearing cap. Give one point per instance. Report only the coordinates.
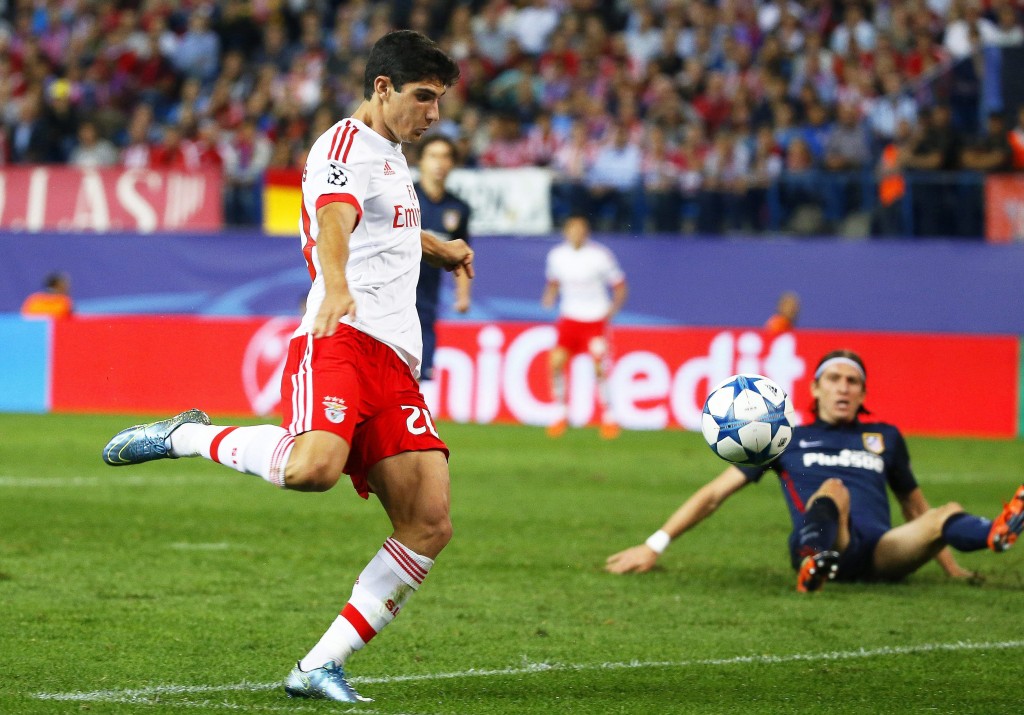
(835, 476)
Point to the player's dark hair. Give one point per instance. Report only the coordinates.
(408, 56)
(577, 213)
(849, 355)
(434, 139)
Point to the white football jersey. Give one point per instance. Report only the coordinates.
(352, 163)
(583, 275)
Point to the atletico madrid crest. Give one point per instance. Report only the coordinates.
(874, 442)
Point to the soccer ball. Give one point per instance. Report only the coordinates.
(748, 420)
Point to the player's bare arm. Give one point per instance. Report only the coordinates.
(463, 289)
(550, 294)
(337, 221)
(455, 256)
(702, 504)
(914, 505)
(620, 291)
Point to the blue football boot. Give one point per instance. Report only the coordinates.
(325, 683)
(143, 443)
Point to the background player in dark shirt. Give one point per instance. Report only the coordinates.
(447, 217)
(834, 478)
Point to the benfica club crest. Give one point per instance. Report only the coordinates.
(874, 442)
(334, 409)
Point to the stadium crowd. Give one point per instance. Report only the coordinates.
(662, 115)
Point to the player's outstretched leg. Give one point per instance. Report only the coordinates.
(143, 443)
(816, 570)
(1009, 524)
(324, 683)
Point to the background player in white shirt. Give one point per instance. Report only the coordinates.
(349, 394)
(581, 272)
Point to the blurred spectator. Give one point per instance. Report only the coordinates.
(246, 156)
(816, 130)
(92, 151)
(206, 144)
(492, 28)
(507, 148)
(892, 107)
(765, 169)
(532, 23)
(855, 34)
(173, 152)
(783, 320)
(53, 302)
(724, 184)
(785, 129)
(892, 184)
(61, 121)
(713, 105)
(692, 153)
(30, 137)
(990, 151)
(935, 147)
(968, 30)
(1008, 32)
(237, 29)
(571, 163)
(661, 166)
(199, 50)
(771, 12)
(848, 146)
(613, 180)
(138, 144)
(542, 140)
(800, 189)
(274, 50)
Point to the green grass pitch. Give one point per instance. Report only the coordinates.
(184, 587)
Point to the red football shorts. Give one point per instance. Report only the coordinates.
(579, 337)
(356, 387)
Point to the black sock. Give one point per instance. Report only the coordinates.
(820, 527)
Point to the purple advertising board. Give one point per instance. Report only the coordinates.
(919, 286)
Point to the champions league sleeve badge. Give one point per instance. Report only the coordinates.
(336, 176)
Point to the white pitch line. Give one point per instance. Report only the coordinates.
(145, 695)
(111, 481)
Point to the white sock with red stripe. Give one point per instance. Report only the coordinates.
(558, 388)
(381, 590)
(262, 450)
(604, 400)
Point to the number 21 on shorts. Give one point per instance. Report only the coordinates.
(414, 416)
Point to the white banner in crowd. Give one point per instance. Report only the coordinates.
(505, 201)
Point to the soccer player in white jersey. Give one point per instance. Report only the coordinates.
(350, 400)
(580, 272)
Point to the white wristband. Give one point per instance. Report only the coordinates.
(658, 541)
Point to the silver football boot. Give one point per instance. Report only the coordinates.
(143, 443)
(325, 683)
